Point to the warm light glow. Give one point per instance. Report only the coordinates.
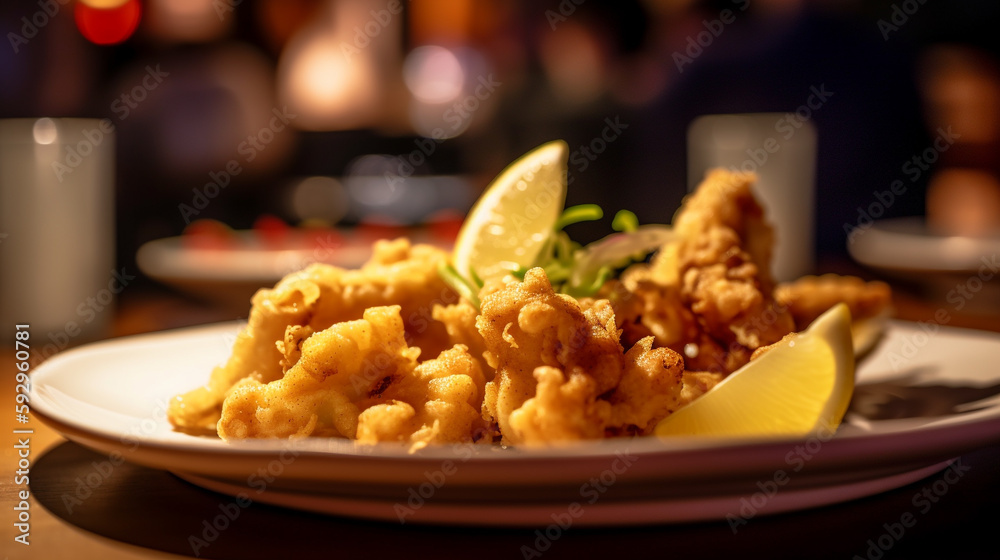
(321, 81)
(185, 20)
(450, 89)
(45, 131)
(107, 26)
(103, 4)
(962, 201)
(447, 21)
(433, 74)
(574, 63)
(320, 198)
(437, 121)
(331, 74)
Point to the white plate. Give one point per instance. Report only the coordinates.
(111, 396)
(248, 259)
(907, 244)
(230, 276)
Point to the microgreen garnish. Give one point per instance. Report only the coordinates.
(459, 283)
(577, 270)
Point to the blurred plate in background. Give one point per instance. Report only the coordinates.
(228, 274)
(907, 244)
(951, 270)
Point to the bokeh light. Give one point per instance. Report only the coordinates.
(104, 4)
(319, 198)
(433, 74)
(107, 26)
(321, 84)
(185, 20)
(45, 131)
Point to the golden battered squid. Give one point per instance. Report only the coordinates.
(316, 298)
(561, 373)
(359, 380)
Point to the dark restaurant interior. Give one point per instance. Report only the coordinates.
(220, 68)
(286, 131)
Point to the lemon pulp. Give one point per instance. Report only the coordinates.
(509, 224)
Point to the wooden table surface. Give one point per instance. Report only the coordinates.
(138, 512)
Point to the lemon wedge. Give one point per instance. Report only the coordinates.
(867, 332)
(800, 386)
(511, 221)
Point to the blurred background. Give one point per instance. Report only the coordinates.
(389, 115)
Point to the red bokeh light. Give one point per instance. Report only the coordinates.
(107, 26)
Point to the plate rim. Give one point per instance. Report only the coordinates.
(954, 437)
(962, 254)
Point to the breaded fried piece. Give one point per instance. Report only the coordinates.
(318, 297)
(708, 294)
(697, 383)
(808, 297)
(723, 261)
(359, 379)
(561, 373)
(459, 320)
(255, 354)
(439, 402)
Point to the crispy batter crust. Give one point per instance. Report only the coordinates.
(809, 296)
(561, 373)
(316, 298)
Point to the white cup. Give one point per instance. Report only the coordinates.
(782, 152)
(57, 229)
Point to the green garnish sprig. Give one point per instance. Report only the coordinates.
(577, 270)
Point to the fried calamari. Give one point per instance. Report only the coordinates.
(561, 373)
(359, 380)
(314, 299)
(709, 293)
(336, 353)
(809, 296)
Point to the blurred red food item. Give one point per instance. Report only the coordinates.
(208, 235)
(444, 225)
(321, 237)
(376, 227)
(964, 202)
(107, 26)
(271, 231)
